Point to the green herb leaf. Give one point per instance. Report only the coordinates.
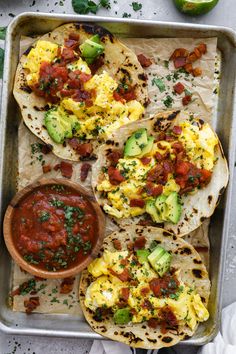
(84, 6)
(3, 32)
(1, 62)
(44, 216)
(105, 3)
(136, 6)
(168, 101)
(159, 83)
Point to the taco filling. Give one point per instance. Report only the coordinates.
(81, 102)
(153, 172)
(145, 278)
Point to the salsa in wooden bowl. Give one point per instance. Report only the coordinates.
(53, 228)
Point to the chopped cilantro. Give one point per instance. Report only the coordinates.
(1, 62)
(126, 15)
(44, 216)
(166, 64)
(159, 83)
(85, 6)
(168, 101)
(136, 6)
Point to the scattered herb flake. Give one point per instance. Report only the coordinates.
(1, 62)
(136, 6)
(168, 101)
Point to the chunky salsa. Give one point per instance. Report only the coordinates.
(55, 227)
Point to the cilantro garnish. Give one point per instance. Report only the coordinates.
(159, 83)
(1, 62)
(136, 6)
(85, 6)
(3, 32)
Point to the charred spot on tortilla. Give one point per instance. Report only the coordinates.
(197, 261)
(209, 199)
(185, 250)
(197, 273)
(167, 339)
(26, 88)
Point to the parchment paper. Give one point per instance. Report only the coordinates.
(30, 165)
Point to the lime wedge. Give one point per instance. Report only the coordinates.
(195, 7)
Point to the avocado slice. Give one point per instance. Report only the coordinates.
(148, 148)
(160, 260)
(163, 264)
(91, 49)
(174, 208)
(135, 143)
(160, 204)
(122, 316)
(60, 125)
(152, 210)
(155, 255)
(142, 255)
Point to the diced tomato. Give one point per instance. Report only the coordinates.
(84, 150)
(153, 323)
(117, 245)
(153, 189)
(124, 295)
(84, 77)
(205, 176)
(182, 168)
(118, 97)
(85, 168)
(66, 169)
(137, 203)
(115, 177)
(179, 62)
(144, 61)
(179, 88)
(140, 243)
(186, 100)
(145, 160)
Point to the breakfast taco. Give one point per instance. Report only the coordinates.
(146, 289)
(166, 171)
(76, 85)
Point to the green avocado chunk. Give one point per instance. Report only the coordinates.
(142, 255)
(152, 210)
(135, 143)
(174, 208)
(147, 148)
(60, 125)
(122, 316)
(91, 49)
(160, 260)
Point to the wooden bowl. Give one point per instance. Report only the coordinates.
(33, 269)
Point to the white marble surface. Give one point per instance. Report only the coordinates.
(225, 15)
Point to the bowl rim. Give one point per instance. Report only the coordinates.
(15, 254)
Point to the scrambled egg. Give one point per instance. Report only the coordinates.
(81, 65)
(199, 144)
(105, 291)
(44, 51)
(106, 114)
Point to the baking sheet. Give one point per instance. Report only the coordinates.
(71, 326)
(30, 164)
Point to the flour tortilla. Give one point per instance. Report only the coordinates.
(119, 61)
(192, 272)
(196, 207)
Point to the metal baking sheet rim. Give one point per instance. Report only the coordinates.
(5, 95)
